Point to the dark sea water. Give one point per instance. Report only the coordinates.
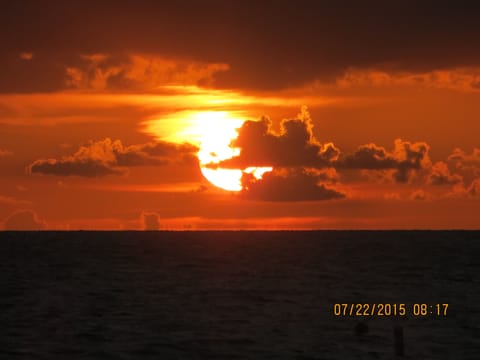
(236, 295)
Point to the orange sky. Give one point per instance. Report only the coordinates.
(100, 135)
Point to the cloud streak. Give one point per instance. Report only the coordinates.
(460, 79)
(138, 72)
(10, 201)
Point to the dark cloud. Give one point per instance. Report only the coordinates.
(24, 220)
(107, 157)
(290, 186)
(269, 44)
(404, 159)
(295, 146)
(441, 175)
(329, 175)
(157, 153)
(71, 166)
(151, 221)
(368, 156)
(302, 166)
(44, 73)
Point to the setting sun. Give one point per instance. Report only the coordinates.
(213, 132)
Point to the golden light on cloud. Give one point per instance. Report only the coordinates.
(213, 132)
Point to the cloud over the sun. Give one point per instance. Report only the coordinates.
(111, 157)
(301, 162)
(296, 147)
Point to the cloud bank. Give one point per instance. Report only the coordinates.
(289, 186)
(405, 158)
(111, 157)
(301, 161)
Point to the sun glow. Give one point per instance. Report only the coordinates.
(213, 132)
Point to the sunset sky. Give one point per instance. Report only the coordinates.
(312, 114)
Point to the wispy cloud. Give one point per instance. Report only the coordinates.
(459, 79)
(10, 201)
(138, 72)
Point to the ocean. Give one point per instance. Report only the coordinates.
(240, 295)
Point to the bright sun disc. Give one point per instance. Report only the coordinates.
(213, 132)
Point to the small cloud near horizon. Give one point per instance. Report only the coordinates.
(150, 221)
(24, 220)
